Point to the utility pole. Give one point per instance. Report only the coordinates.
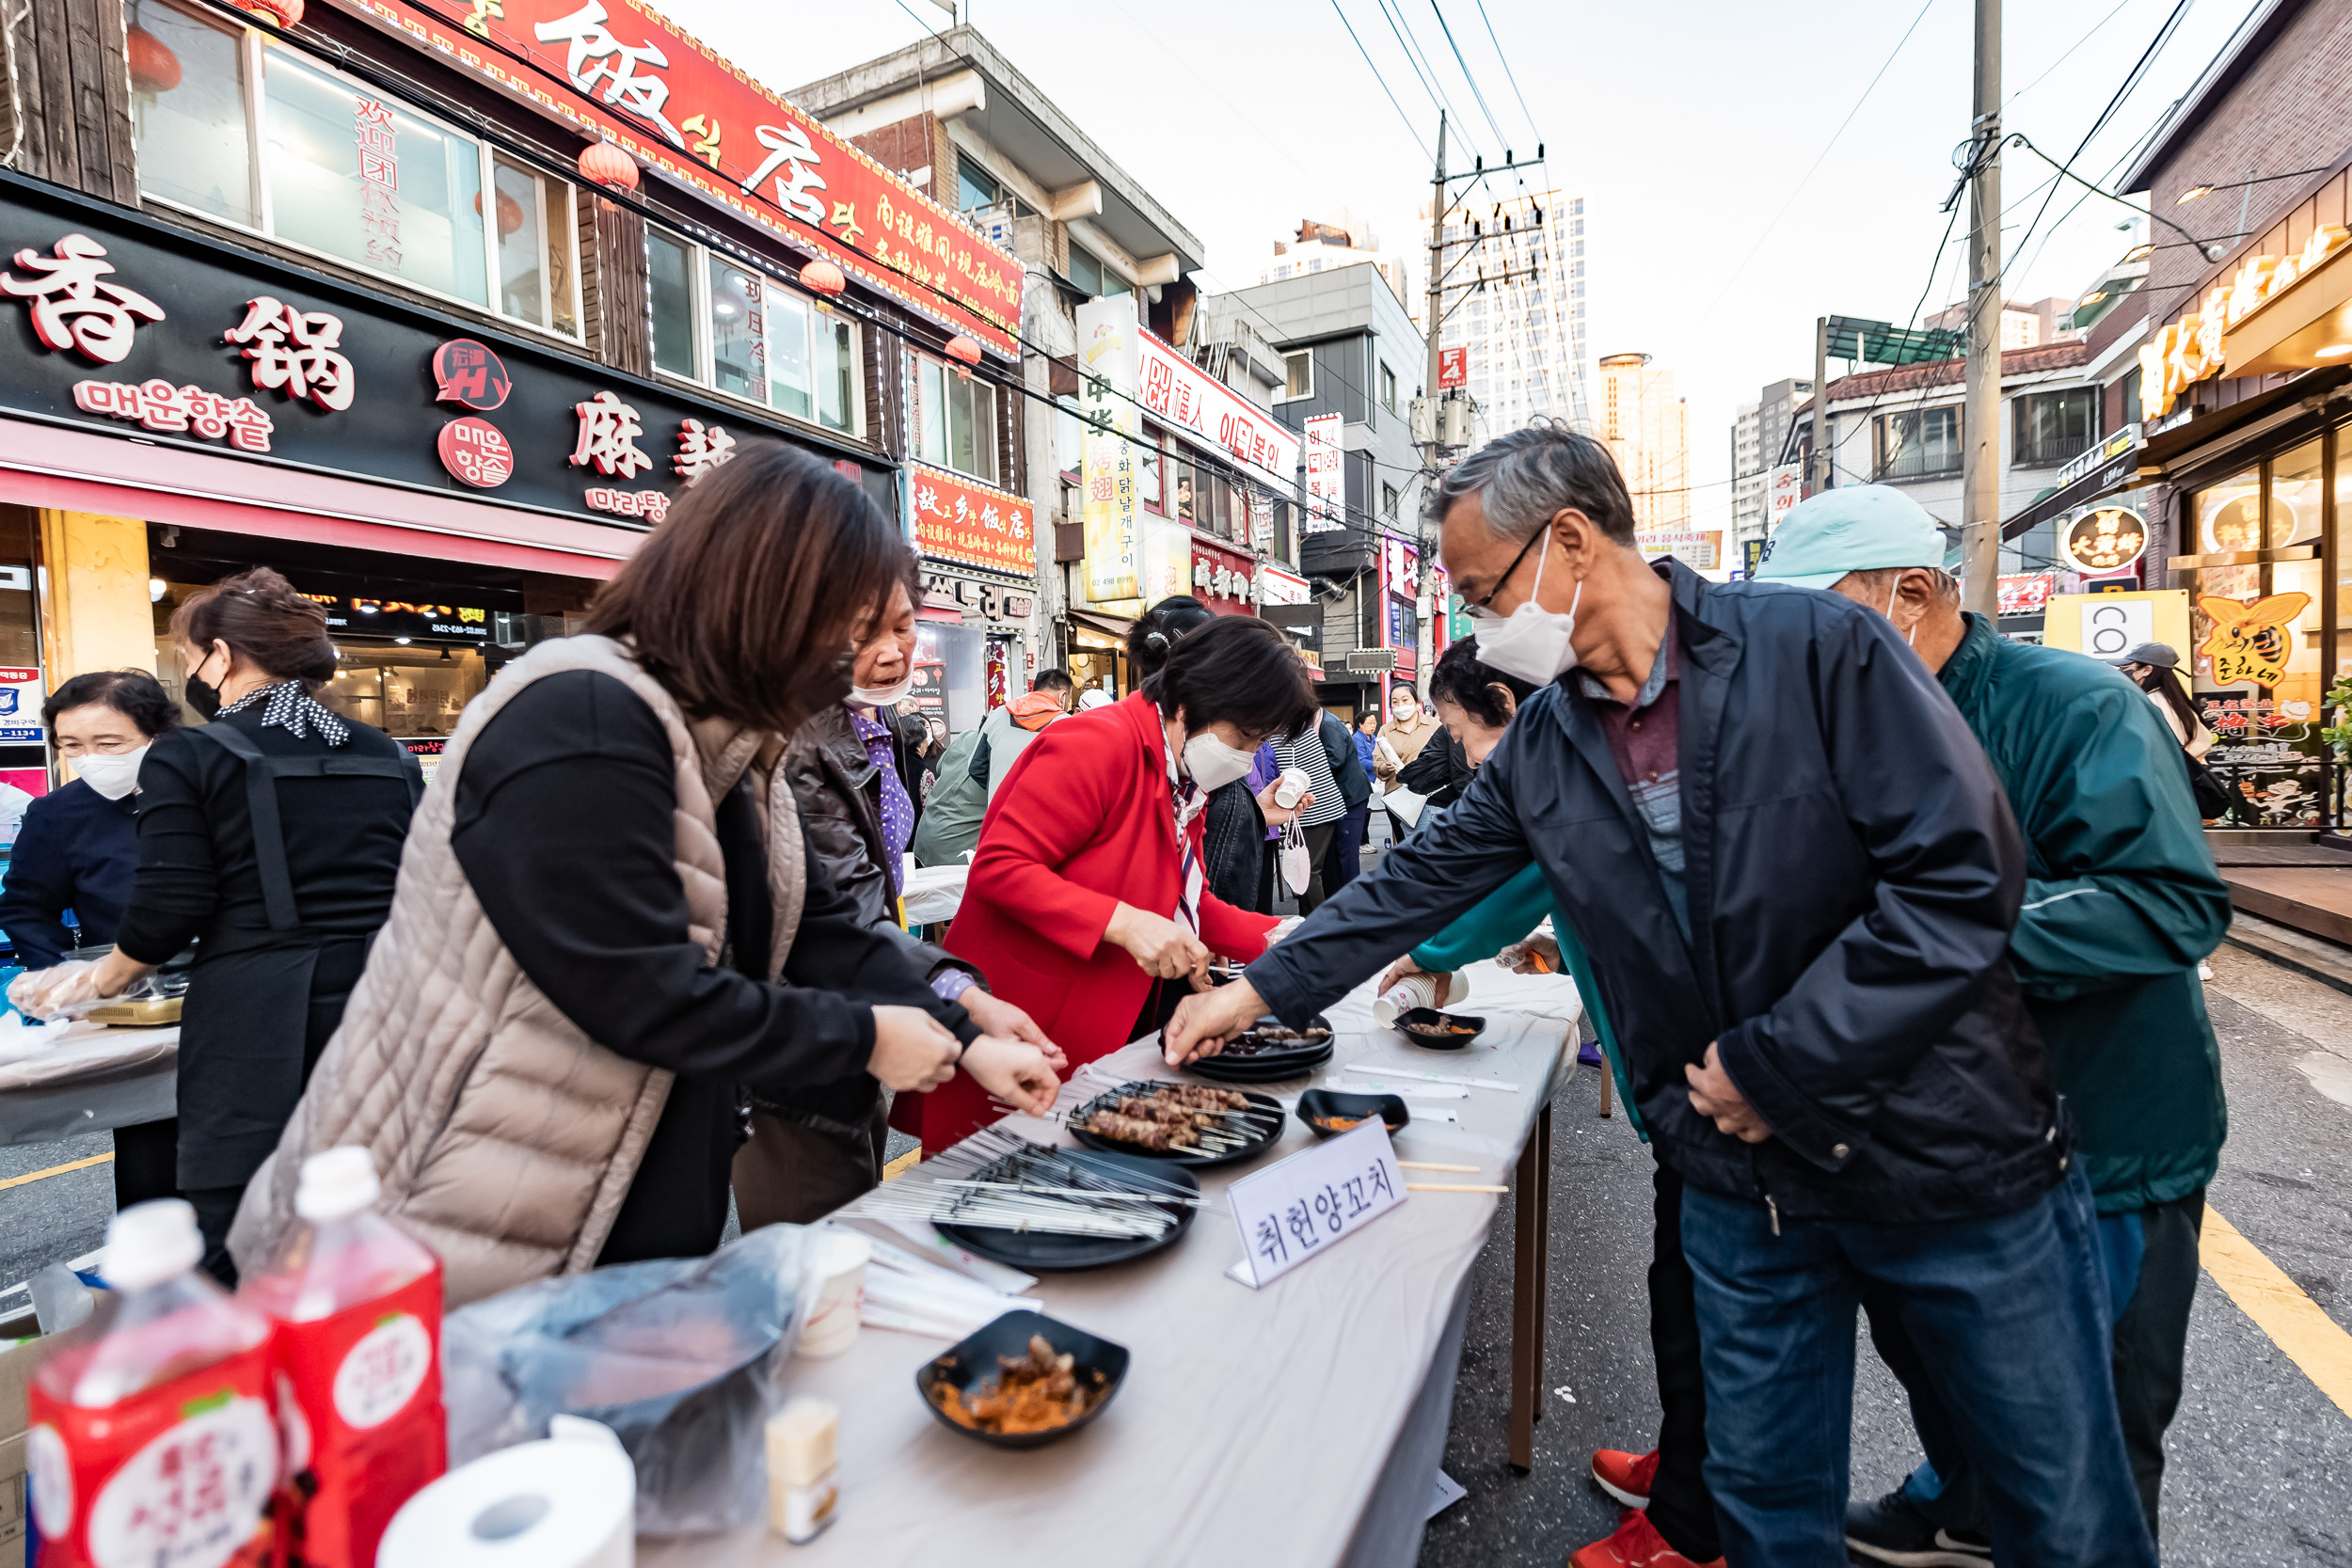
(1437, 202)
(1981, 447)
(1823, 461)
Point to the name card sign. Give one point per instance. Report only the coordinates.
(1303, 1205)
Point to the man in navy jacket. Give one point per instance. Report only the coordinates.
(1795, 874)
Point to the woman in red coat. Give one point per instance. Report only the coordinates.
(1086, 904)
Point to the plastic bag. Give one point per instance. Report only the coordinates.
(54, 991)
(682, 1359)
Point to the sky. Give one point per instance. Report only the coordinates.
(1746, 168)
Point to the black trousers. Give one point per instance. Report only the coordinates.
(2150, 1348)
(1680, 1508)
(146, 1161)
(1346, 860)
(1318, 852)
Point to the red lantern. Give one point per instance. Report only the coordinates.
(510, 212)
(823, 277)
(607, 165)
(964, 349)
(154, 68)
(283, 12)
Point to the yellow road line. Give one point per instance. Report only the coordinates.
(902, 1165)
(2311, 1340)
(57, 1170)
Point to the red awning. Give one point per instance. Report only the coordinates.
(74, 471)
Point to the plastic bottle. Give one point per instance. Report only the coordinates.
(356, 1305)
(152, 1441)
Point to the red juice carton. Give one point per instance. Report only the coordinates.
(152, 1444)
(354, 1303)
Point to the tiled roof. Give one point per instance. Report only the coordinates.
(1912, 378)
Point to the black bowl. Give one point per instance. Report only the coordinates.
(1318, 1106)
(1427, 1017)
(976, 1360)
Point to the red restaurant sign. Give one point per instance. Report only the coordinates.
(970, 525)
(620, 73)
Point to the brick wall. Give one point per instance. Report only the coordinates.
(907, 146)
(2290, 112)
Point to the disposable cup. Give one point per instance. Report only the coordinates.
(837, 1279)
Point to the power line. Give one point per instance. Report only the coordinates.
(1443, 26)
(1514, 80)
(1376, 76)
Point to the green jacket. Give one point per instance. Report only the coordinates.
(949, 828)
(1507, 915)
(2122, 904)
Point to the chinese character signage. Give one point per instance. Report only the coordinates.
(110, 322)
(969, 524)
(1110, 460)
(2196, 345)
(1327, 483)
(2104, 540)
(1182, 396)
(616, 70)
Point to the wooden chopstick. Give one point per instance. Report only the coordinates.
(1423, 1164)
(1444, 1187)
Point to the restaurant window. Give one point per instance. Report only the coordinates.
(1188, 509)
(1298, 374)
(1922, 444)
(975, 185)
(1088, 270)
(2255, 666)
(342, 172)
(2055, 427)
(719, 322)
(1148, 469)
(954, 418)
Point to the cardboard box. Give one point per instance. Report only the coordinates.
(16, 1372)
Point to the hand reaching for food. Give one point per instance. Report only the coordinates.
(1162, 948)
(1206, 1020)
(1014, 1071)
(913, 1051)
(996, 1015)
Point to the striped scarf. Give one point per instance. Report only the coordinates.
(1186, 800)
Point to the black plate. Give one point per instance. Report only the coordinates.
(1270, 1114)
(1036, 1250)
(1317, 1104)
(1269, 1021)
(1477, 1027)
(1244, 1071)
(977, 1358)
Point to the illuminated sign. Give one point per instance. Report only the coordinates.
(2196, 346)
(2106, 540)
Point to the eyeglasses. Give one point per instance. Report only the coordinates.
(1479, 610)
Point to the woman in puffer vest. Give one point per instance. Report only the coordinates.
(609, 931)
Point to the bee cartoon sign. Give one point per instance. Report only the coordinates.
(2249, 639)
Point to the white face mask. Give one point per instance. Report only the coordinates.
(1298, 864)
(1530, 643)
(1404, 708)
(112, 776)
(882, 696)
(1211, 764)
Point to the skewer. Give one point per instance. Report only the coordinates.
(1423, 1164)
(1445, 1187)
(1081, 1192)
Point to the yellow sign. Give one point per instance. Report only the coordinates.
(2109, 625)
(1108, 474)
(2194, 347)
(2249, 639)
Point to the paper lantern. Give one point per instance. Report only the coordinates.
(964, 349)
(283, 12)
(823, 277)
(607, 165)
(510, 212)
(154, 68)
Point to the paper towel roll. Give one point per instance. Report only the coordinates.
(571, 1504)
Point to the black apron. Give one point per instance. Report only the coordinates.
(261, 1001)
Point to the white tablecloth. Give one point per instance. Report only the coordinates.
(934, 892)
(96, 1078)
(1255, 1426)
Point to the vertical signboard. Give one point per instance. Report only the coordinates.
(1327, 485)
(1782, 490)
(1106, 400)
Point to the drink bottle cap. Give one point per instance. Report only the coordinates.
(150, 1242)
(337, 1184)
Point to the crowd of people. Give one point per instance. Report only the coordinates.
(1887, 928)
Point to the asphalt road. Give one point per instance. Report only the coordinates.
(2259, 1457)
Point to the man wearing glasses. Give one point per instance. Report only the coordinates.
(1795, 875)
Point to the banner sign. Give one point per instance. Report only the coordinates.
(1326, 483)
(1782, 490)
(1109, 460)
(617, 71)
(2023, 594)
(1180, 393)
(112, 322)
(970, 524)
(1452, 367)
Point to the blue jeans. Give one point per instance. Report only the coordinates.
(2010, 1315)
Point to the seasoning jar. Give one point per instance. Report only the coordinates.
(804, 1454)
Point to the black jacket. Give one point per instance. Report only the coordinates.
(1347, 768)
(1853, 872)
(76, 850)
(1441, 773)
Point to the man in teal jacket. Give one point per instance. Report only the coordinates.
(2122, 904)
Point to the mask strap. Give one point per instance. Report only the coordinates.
(1911, 638)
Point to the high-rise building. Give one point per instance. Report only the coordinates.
(1329, 244)
(1756, 440)
(1524, 330)
(2026, 323)
(1648, 429)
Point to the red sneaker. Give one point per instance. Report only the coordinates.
(1626, 1477)
(1635, 1544)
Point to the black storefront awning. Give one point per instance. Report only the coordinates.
(2119, 474)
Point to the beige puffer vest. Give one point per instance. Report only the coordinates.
(505, 1135)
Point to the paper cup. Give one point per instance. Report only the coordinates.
(837, 1287)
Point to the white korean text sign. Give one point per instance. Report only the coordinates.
(1302, 1206)
(1326, 483)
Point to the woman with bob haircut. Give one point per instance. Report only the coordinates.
(270, 837)
(1086, 906)
(610, 929)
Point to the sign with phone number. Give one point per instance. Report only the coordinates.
(1295, 1209)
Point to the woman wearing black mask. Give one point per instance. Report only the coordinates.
(271, 837)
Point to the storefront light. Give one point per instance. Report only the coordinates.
(2140, 252)
(2192, 194)
(156, 589)
(2333, 351)
(401, 640)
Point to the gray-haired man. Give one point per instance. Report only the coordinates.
(1795, 876)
